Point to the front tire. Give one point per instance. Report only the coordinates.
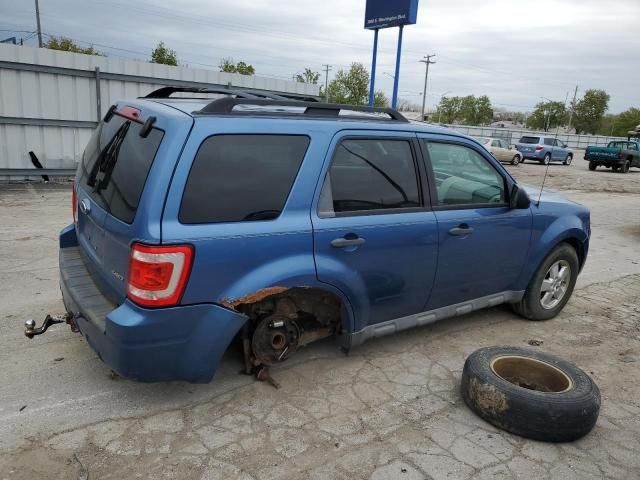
(592, 166)
(568, 160)
(551, 286)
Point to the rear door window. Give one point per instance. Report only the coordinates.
(530, 140)
(370, 175)
(115, 165)
(549, 141)
(237, 178)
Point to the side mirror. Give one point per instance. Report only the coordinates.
(519, 199)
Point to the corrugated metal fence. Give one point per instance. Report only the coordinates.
(51, 101)
(513, 135)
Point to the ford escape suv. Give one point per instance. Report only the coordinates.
(281, 222)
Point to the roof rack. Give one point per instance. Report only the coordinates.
(166, 92)
(313, 109)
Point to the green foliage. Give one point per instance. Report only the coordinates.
(162, 54)
(67, 45)
(380, 99)
(308, 76)
(351, 87)
(469, 110)
(589, 111)
(621, 124)
(547, 115)
(228, 65)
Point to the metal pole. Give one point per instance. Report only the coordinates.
(394, 99)
(427, 62)
(326, 83)
(573, 106)
(372, 85)
(38, 25)
(98, 96)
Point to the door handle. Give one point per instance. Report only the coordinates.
(460, 230)
(347, 242)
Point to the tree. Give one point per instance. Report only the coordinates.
(67, 45)
(308, 76)
(228, 65)
(351, 87)
(547, 115)
(469, 110)
(162, 54)
(588, 112)
(619, 125)
(380, 99)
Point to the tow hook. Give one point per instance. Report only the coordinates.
(31, 331)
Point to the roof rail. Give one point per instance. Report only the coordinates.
(227, 105)
(166, 92)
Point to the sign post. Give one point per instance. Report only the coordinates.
(385, 14)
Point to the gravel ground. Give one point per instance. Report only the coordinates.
(389, 410)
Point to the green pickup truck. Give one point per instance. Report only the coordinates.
(618, 155)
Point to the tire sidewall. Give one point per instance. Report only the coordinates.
(555, 417)
(532, 296)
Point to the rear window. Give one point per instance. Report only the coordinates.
(530, 140)
(237, 178)
(115, 165)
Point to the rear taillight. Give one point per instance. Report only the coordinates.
(158, 274)
(539, 147)
(74, 204)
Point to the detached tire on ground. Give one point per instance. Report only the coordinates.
(530, 393)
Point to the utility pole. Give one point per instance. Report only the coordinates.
(327, 69)
(573, 106)
(38, 24)
(427, 62)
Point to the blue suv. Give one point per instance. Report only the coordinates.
(544, 149)
(280, 222)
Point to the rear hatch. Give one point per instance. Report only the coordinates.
(528, 144)
(121, 186)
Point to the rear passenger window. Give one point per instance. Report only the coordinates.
(237, 178)
(549, 141)
(368, 175)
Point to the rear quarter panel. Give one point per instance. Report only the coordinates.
(237, 259)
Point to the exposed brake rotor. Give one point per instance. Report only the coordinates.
(275, 338)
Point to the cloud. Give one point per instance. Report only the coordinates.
(515, 52)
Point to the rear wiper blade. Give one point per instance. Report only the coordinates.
(98, 165)
(111, 157)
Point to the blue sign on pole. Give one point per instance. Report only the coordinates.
(384, 14)
(390, 13)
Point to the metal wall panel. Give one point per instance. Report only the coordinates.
(27, 93)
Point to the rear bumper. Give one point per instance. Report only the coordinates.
(149, 345)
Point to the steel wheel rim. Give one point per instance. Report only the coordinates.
(555, 284)
(531, 373)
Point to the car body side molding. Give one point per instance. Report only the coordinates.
(425, 318)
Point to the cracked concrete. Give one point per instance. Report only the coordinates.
(390, 410)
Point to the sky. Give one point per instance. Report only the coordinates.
(518, 52)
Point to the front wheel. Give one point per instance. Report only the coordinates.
(592, 166)
(567, 161)
(515, 160)
(551, 286)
